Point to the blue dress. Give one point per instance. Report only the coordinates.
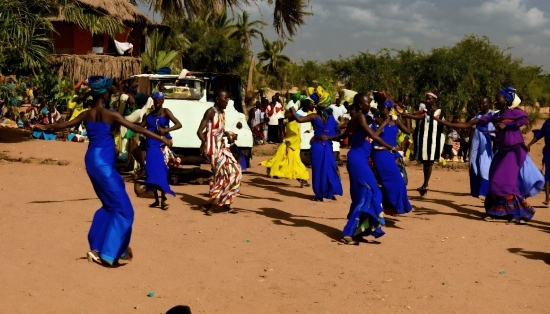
(545, 132)
(325, 180)
(155, 166)
(365, 216)
(112, 224)
(481, 155)
(394, 190)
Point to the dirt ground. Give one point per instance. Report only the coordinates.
(277, 255)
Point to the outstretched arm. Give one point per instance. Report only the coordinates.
(460, 125)
(138, 129)
(64, 125)
(414, 117)
(299, 119)
(370, 133)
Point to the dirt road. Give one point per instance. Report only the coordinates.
(277, 255)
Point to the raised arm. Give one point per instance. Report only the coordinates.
(370, 133)
(64, 125)
(299, 119)
(381, 125)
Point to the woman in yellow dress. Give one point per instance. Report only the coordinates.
(286, 162)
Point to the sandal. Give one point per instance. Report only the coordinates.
(93, 257)
(155, 204)
(316, 199)
(423, 191)
(348, 241)
(489, 218)
(164, 205)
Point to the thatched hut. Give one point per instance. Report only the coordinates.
(79, 53)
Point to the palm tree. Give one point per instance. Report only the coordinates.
(246, 30)
(271, 54)
(288, 15)
(156, 57)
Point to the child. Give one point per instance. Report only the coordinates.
(23, 122)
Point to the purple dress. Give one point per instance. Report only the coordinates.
(505, 198)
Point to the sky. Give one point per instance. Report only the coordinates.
(341, 28)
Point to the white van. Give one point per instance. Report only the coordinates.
(189, 98)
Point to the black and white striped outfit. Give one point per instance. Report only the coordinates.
(427, 140)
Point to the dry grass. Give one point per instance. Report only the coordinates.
(81, 66)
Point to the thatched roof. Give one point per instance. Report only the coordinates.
(79, 67)
(121, 10)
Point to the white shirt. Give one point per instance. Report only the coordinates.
(338, 111)
(274, 118)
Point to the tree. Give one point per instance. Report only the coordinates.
(272, 55)
(25, 31)
(288, 15)
(246, 30)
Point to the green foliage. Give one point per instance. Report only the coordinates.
(463, 73)
(209, 44)
(245, 30)
(288, 15)
(156, 57)
(57, 90)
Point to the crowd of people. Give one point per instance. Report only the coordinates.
(379, 137)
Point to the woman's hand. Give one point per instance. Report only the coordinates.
(323, 138)
(500, 126)
(166, 141)
(163, 131)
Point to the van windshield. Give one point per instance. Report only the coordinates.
(191, 89)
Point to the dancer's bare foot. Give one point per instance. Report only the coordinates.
(163, 204)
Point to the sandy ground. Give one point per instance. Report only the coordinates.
(277, 255)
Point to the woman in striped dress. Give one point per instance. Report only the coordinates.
(215, 146)
(427, 138)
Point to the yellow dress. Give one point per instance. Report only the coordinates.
(76, 108)
(286, 162)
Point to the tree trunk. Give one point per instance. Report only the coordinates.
(250, 95)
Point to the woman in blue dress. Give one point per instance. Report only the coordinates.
(481, 151)
(156, 165)
(365, 216)
(394, 191)
(544, 132)
(111, 229)
(324, 171)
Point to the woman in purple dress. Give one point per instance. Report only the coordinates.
(504, 199)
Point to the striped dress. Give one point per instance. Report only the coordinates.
(227, 171)
(427, 140)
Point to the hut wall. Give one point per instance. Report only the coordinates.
(63, 38)
(83, 41)
(123, 37)
(135, 39)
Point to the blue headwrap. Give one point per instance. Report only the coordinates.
(508, 93)
(158, 95)
(327, 112)
(99, 85)
(388, 104)
(314, 97)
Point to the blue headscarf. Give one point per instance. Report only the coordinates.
(327, 112)
(164, 71)
(99, 85)
(314, 97)
(389, 104)
(158, 95)
(508, 93)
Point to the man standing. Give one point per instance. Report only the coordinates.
(273, 110)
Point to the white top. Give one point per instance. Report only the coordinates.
(274, 118)
(338, 111)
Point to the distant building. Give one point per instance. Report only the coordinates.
(78, 53)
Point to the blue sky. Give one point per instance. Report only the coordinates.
(345, 27)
